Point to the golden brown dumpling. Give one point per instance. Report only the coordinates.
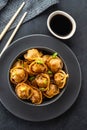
(52, 91)
(23, 91)
(32, 54)
(60, 78)
(18, 74)
(54, 64)
(43, 81)
(37, 67)
(36, 97)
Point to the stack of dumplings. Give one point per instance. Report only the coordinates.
(38, 76)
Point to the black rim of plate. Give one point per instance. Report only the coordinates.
(44, 112)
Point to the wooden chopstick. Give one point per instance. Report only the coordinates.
(13, 34)
(11, 21)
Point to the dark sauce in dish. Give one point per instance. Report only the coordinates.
(61, 25)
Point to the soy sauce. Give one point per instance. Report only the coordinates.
(61, 25)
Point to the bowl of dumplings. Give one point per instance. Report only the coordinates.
(38, 76)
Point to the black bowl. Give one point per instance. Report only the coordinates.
(44, 50)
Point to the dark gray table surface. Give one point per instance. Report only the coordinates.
(76, 117)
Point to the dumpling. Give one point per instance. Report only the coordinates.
(52, 91)
(54, 64)
(43, 81)
(60, 78)
(32, 54)
(23, 91)
(36, 97)
(37, 67)
(17, 75)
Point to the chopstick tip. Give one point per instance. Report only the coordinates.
(26, 12)
(23, 3)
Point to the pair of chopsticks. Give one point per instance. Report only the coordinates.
(15, 30)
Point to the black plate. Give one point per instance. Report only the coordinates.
(32, 112)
